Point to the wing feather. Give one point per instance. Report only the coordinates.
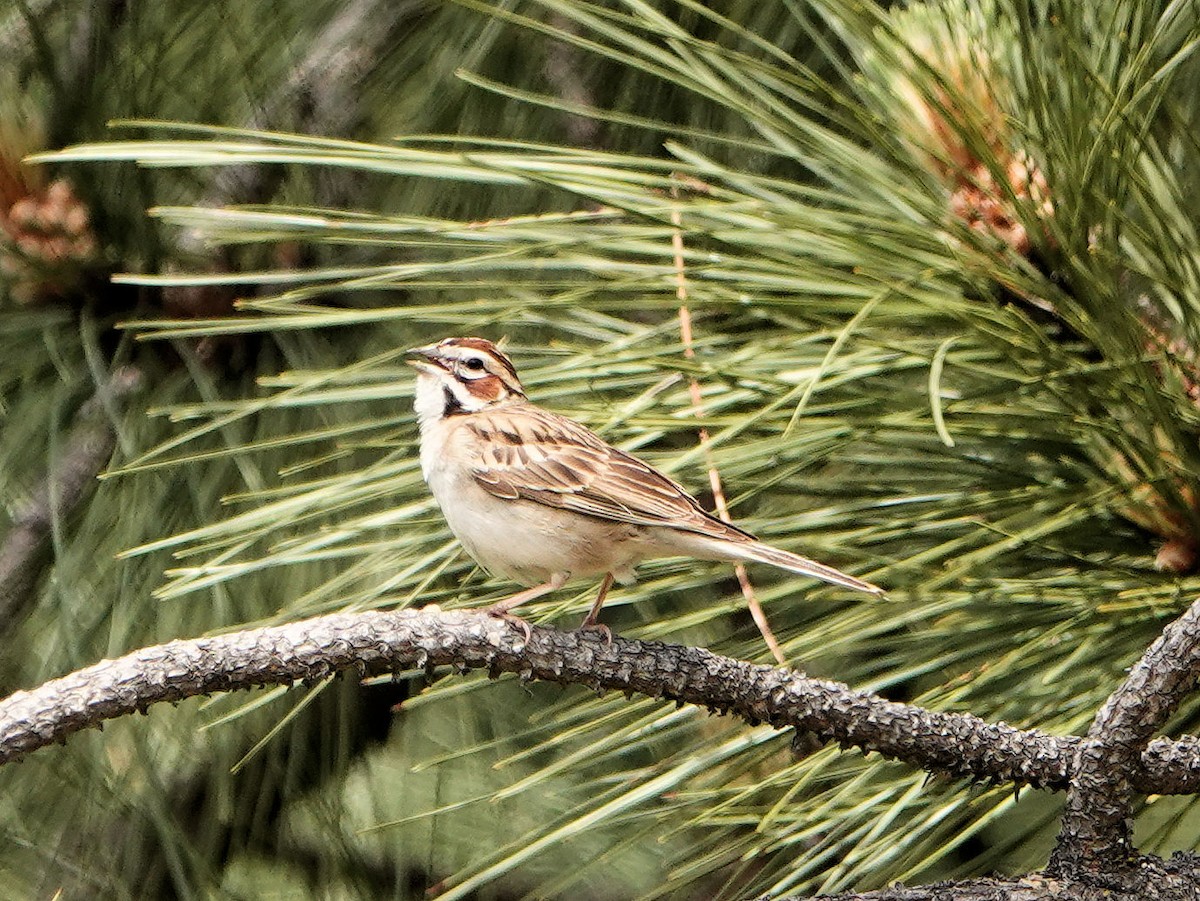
(536, 455)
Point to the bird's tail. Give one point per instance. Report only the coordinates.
(763, 553)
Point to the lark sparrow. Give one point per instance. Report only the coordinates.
(540, 499)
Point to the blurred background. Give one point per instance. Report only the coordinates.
(939, 265)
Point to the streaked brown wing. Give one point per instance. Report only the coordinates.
(536, 455)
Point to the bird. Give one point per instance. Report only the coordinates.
(540, 499)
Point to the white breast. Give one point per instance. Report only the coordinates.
(521, 540)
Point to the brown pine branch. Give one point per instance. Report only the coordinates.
(369, 643)
(1096, 834)
(1164, 880)
(1174, 761)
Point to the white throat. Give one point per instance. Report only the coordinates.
(430, 399)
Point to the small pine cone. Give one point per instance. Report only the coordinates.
(1178, 555)
(45, 241)
(23, 215)
(77, 222)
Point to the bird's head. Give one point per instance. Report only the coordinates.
(462, 375)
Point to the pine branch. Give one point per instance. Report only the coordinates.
(88, 448)
(82, 60)
(311, 650)
(1096, 834)
(1174, 761)
(1164, 880)
(327, 82)
(15, 32)
(563, 68)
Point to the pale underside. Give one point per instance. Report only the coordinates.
(524, 477)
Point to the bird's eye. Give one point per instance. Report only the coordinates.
(474, 363)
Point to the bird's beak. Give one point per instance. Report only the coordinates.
(424, 358)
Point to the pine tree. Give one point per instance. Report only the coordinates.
(940, 277)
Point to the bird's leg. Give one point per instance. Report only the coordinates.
(590, 621)
(501, 609)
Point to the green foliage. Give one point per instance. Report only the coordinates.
(990, 421)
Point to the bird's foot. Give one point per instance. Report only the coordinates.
(500, 612)
(590, 624)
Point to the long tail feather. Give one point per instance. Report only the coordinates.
(764, 553)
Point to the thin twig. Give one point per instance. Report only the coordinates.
(1096, 835)
(714, 477)
(379, 642)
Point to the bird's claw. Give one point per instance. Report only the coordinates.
(501, 613)
(592, 624)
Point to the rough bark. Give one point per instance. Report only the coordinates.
(307, 651)
(1177, 879)
(1096, 834)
